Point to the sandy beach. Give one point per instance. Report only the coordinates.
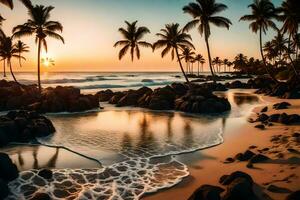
(206, 166)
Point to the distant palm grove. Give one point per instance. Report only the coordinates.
(279, 58)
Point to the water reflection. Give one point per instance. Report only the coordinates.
(242, 98)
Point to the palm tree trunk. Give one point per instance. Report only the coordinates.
(11, 71)
(39, 66)
(4, 68)
(198, 68)
(186, 78)
(20, 60)
(209, 59)
(263, 58)
(289, 55)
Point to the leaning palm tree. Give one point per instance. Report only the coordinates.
(40, 26)
(8, 51)
(187, 55)
(172, 39)
(199, 58)
(291, 18)
(204, 13)
(263, 12)
(21, 48)
(132, 41)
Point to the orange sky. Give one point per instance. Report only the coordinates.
(90, 30)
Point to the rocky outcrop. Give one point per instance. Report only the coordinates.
(8, 172)
(193, 98)
(59, 99)
(282, 118)
(23, 126)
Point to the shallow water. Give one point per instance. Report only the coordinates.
(135, 147)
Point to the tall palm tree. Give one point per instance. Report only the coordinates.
(269, 50)
(240, 62)
(40, 25)
(8, 51)
(132, 41)
(200, 59)
(204, 13)
(187, 55)
(9, 3)
(280, 45)
(263, 12)
(225, 63)
(291, 18)
(21, 48)
(173, 39)
(217, 62)
(296, 44)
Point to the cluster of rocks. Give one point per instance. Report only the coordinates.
(23, 126)
(59, 99)
(283, 118)
(192, 98)
(239, 185)
(8, 173)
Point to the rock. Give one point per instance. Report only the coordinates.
(274, 118)
(179, 88)
(105, 95)
(294, 196)
(4, 191)
(296, 135)
(240, 188)
(276, 189)
(45, 173)
(282, 105)
(41, 196)
(207, 192)
(116, 97)
(262, 118)
(260, 126)
(229, 160)
(259, 158)
(228, 179)
(265, 109)
(8, 170)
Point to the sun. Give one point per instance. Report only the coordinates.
(47, 62)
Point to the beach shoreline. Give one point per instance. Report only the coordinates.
(206, 166)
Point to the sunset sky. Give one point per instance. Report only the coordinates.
(91, 29)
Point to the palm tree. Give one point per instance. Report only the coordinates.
(291, 18)
(40, 26)
(204, 13)
(187, 55)
(280, 45)
(199, 58)
(269, 50)
(21, 48)
(217, 62)
(225, 62)
(132, 40)
(8, 51)
(263, 12)
(9, 3)
(240, 62)
(172, 39)
(296, 44)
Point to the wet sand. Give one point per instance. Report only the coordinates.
(206, 166)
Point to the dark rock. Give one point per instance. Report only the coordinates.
(105, 95)
(45, 173)
(260, 126)
(247, 155)
(262, 118)
(294, 196)
(265, 109)
(296, 135)
(228, 179)
(116, 97)
(207, 192)
(276, 189)
(240, 188)
(4, 191)
(8, 170)
(229, 160)
(41, 196)
(259, 158)
(282, 105)
(274, 118)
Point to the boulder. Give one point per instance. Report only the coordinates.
(259, 158)
(240, 188)
(207, 192)
(228, 179)
(116, 97)
(282, 105)
(8, 170)
(105, 95)
(265, 109)
(262, 118)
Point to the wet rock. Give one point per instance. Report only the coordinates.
(265, 109)
(116, 97)
(41, 196)
(260, 126)
(276, 189)
(8, 170)
(207, 192)
(229, 160)
(45, 173)
(282, 105)
(259, 158)
(294, 196)
(274, 118)
(262, 118)
(105, 95)
(228, 179)
(296, 135)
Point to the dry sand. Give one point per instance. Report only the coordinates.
(209, 166)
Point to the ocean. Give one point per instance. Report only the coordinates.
(137, 148)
